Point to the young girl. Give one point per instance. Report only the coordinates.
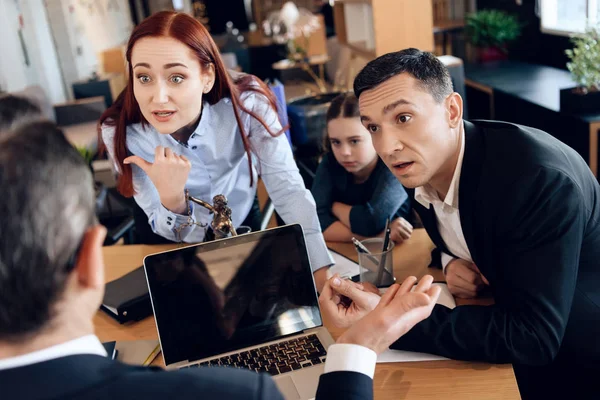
(354, 190)
(184, 125)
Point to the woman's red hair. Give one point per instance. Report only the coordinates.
(125, 110)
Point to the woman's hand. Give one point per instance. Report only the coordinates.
(169, 173)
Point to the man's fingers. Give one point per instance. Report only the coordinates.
(388, 295)
(349, 289)
(404, 234)
(485, 281)
(458, 291)
(469, 275)
(336, 299)
(424, 284)
(434, 293)
(326, 292)
(406, 224)
(169, 153)
(461, 283)
(367, 287)
(140, 162)
(326, 301)
(473, 267)
(407, 284)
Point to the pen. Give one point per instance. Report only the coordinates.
(386, 243)
(362, 249)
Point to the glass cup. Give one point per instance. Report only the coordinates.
(377, 266)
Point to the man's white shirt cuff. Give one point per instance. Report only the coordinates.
(446, 258)
(352, 358)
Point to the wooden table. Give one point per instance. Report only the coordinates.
(419, 380)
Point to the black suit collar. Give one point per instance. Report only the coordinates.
(469, 183)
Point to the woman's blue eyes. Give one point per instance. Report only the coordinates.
(177, 79)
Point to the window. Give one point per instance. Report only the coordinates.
(563, 17)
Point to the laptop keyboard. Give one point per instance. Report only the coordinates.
(275, 359)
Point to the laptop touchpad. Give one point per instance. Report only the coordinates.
(307, 380)
(287, 387)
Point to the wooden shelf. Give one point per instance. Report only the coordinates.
(371, 28)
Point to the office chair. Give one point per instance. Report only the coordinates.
(114, 214)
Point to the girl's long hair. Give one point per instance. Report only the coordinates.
(125, 110)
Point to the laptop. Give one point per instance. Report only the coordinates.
(247, 301)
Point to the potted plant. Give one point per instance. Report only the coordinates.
(87, 154)
(585, 69)
(490, 31)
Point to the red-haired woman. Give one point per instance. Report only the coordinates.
(183, 122)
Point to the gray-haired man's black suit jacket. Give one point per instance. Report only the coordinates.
(94, 377)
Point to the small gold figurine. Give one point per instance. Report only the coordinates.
(221, 224)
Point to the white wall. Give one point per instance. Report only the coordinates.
(42, 50)
(65, 49)
(14, 73)
(104, 23)
(43, 68)
(84, 28)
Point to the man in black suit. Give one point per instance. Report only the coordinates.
(52, 283)
(514, 211)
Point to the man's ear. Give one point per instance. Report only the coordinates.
(90, 262)
(454, 106)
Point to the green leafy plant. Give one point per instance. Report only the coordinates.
(585, 59)
(492, 28)
(87, 154)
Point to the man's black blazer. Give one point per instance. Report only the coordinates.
(96, 377)
(529, 210)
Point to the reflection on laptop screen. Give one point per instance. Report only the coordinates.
(229, 294)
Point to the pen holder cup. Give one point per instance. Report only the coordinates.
(377, 267)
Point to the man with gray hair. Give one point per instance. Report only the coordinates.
(15, 110)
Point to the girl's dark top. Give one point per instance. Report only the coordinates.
(379, 197)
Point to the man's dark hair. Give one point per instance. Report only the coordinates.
(46, 205)
(15, 111)
(431, 73)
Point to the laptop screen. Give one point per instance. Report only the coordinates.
(228, 294)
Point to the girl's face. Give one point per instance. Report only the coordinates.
(351, 144)
(168, 82)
